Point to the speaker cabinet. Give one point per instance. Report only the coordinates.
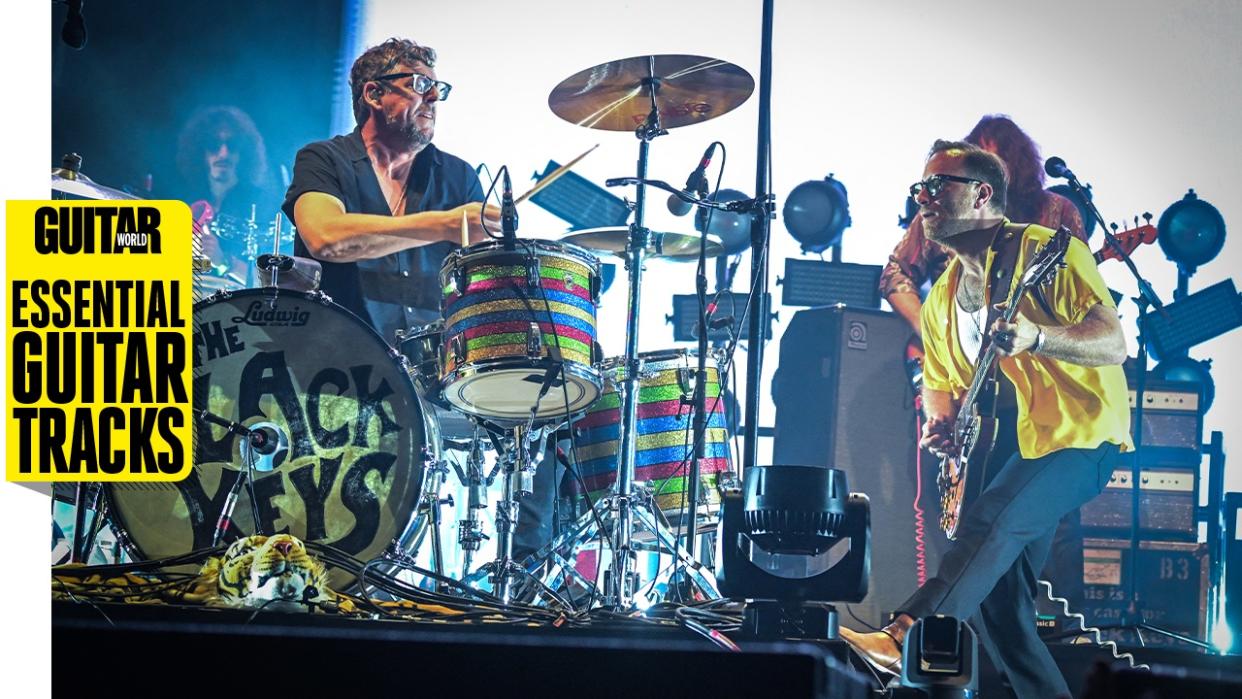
(843, 400)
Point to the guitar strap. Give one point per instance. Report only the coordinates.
(1004, 264)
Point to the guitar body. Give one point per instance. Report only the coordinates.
(962, 474)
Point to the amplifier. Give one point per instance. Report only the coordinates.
(1172, 422)
(1167, 500)
(1171, 586)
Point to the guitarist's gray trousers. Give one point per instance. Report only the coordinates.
(989, 572)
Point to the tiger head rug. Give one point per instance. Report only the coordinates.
(269, 571)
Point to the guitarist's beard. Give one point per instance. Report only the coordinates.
(955, 232)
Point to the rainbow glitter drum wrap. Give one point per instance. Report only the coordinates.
(508, 316)
(664, 434)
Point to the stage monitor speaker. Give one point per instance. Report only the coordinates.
(843, 400)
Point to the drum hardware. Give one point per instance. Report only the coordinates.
(260, 442)
(86, 498)
(470, 534)
(534, 342)
(404, 550)
(633, 93)
(522, 452)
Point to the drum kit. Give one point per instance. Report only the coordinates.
(311, 424)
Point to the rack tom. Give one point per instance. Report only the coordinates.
(510, 315)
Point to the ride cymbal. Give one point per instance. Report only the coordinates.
(617, 96)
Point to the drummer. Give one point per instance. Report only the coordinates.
(381, 207)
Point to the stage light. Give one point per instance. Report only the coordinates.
(1191, 232)
(1222, 638)
(816, 213)
(941, 657)
(1197, 318)
(733, 228)
(791, 541)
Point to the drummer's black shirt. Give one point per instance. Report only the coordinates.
(397, 291)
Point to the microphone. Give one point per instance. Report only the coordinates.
(508, 213)
(696, 183)
(1055, 167)
(264, 440)
(73, 31)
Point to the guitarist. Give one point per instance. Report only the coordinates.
(1063, 356)
(916, 261)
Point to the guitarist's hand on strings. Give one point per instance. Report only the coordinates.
(1016, 337)
(937, 436)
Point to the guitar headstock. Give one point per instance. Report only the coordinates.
(1050, 258)
(1129, 240)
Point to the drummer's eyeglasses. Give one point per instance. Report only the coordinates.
(935, 183)
(422, 84)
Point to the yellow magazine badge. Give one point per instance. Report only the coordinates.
(99, 329)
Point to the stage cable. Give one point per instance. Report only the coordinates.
(920, 541)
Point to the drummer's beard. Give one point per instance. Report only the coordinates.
(405, 130)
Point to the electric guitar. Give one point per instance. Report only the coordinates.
(974, 432)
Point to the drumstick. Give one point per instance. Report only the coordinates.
(465, 231)
(551, 176)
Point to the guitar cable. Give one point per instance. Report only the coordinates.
(1095, 632)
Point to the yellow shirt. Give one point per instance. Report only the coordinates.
(1060, 405)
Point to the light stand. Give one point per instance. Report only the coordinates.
(760, 229)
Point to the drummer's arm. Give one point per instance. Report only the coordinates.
(333, 235)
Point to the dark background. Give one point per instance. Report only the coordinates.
(148, 64)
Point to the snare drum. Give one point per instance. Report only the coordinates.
(355, 435)
(664, 431)
(508, 316)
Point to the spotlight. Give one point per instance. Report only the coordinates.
(1192, 232)
(941, 657)
(733, 228)
(816, 213)
(1197, 371)
(793, 539)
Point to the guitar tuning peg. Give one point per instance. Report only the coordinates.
(1113, 226)
(1147, 217)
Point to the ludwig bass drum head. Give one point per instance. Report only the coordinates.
(349, 463)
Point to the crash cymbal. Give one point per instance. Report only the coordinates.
(616, 96)
(677, 247)
(84, 187)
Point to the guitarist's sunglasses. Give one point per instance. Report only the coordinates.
(932, 185)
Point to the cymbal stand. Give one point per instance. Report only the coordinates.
(623, 511)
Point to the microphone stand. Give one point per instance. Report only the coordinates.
(1133, 616)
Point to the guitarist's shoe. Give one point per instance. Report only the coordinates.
(881, 649)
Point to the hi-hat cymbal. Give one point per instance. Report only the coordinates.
(616, 96)
(677, 247)
(82, 186)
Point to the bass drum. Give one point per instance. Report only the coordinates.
(352, 433)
